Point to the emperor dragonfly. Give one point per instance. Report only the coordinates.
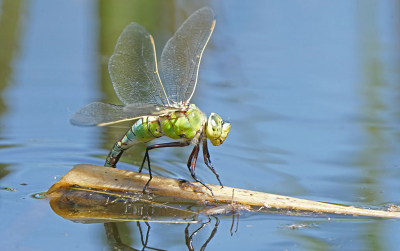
(159, 111)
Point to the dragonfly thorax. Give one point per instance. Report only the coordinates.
(216, 129)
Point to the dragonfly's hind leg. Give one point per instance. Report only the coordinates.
(207, 161)
(146, 156)
(192, 165)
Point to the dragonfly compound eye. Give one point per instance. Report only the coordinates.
(217, 130)
(214, 126)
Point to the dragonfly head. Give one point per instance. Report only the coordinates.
(216, 129)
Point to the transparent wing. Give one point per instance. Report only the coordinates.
(101, 114)
(133, 69)
(180, 59)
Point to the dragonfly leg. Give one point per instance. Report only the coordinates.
(146, 156)
(192, 165)
(207, 161)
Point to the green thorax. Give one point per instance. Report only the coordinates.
(183, 124)
(175, 125)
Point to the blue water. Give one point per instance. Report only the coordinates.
(311, 90)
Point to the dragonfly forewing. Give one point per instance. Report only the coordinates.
(133, 69)
(180, 59)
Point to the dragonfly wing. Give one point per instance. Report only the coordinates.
(102, 114)
(133, 68)
(98, 113)
(180, 59)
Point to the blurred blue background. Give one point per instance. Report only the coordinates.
(312, 90)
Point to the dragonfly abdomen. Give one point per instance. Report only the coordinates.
(147, 128)
(143, 130)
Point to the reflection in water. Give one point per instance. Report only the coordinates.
(91, 206)
(370, 158)
(9, 24)
(233, 208)
(3, 170)
(189, 238)
(87, 207)
(115, 241)
(146, 240)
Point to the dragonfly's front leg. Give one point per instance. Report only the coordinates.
(192, 165)
(207, 160)
(146, 156)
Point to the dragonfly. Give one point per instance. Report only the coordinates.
(159, 108)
